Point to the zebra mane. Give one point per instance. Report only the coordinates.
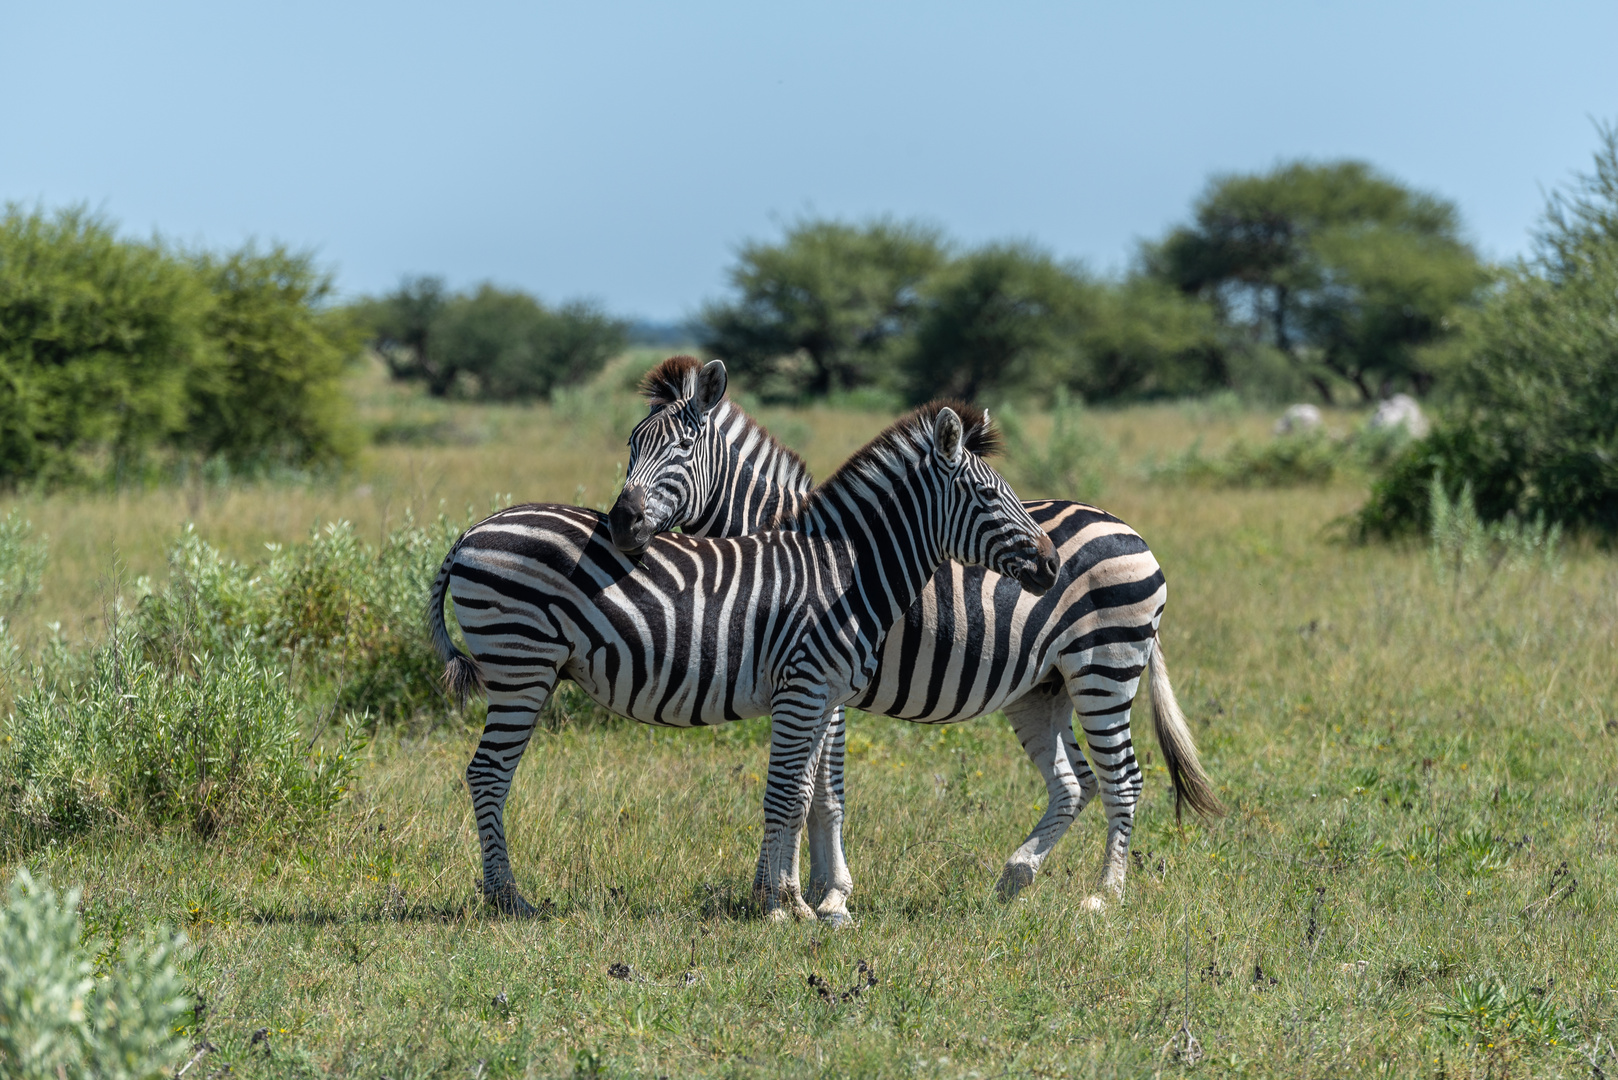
(673, 379)
(905, 437)
(676, 379)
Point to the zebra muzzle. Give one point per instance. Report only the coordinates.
(1038, 572)
(627, 521)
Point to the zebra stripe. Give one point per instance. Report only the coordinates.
(972, 643)
(699, 631)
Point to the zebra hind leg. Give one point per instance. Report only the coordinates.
(1040, 719)
(1103, 694)
(514, 704)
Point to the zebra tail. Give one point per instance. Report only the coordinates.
(462, 675)
(1191, 784)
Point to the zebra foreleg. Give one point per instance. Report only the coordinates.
(829, 880)
(798, 727)
(513, 707)
(1041, 721)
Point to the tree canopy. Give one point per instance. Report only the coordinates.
(818, 311)
(1344, 270)
(493, 343)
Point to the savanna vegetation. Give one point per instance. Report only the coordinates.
(232, 812)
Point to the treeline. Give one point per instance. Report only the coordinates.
(121, 358)
(1330, 280)
(490, 344)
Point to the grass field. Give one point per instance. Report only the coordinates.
(1416, 878)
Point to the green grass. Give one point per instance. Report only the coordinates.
(1420, 857)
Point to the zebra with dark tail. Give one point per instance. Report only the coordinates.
(970, 644)
(696, 631)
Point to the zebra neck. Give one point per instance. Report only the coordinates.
(893, 551)
(755, 480)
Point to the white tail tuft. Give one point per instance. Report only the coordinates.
(1191, 784)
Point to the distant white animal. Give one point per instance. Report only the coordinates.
(1400, 410)
(1299, 419)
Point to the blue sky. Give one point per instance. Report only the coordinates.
(620, 151)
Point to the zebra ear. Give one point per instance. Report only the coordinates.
(710, 385)
(947, 436)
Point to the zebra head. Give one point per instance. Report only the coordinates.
(667, 475)
(983, 522)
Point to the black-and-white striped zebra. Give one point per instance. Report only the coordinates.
(970, 644)
(695, 631)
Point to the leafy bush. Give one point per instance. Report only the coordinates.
(495, 344)
(136, 741)
(1485, 1014)
(1285, 461)
(57, 1018)
(344, 616)
(1535, 429)
(98, 340)
(22, 562)
(114, 354)
(276, 395)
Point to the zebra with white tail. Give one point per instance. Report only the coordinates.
(694, 631)
(970, 644)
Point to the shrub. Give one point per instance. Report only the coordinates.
(98, 340)
(135, 741)
(1535, 429)
(1285, 461)
(344, 616)
(276, 395)
(22, 562)
(116, 354)
(57, 1018)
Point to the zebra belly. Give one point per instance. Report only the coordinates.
(975, 641)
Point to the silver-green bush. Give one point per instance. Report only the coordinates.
(22, 562)
(136, 741)
(58, 1019)
(346, 616)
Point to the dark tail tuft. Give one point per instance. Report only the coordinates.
(462, 675)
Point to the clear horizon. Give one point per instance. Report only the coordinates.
(623, 152)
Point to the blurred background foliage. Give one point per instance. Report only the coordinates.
(131, 362)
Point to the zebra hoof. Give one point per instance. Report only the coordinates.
(1013, 879)
(1093, 905)
(836, 920)
(508, 901)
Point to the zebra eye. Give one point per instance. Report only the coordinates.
(685, 444)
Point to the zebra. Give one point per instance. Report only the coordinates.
(700, 631)
(967, 646)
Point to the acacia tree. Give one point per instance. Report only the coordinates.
(820, 310)
(1344, 270)
(494, 343)
(1006, 315)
